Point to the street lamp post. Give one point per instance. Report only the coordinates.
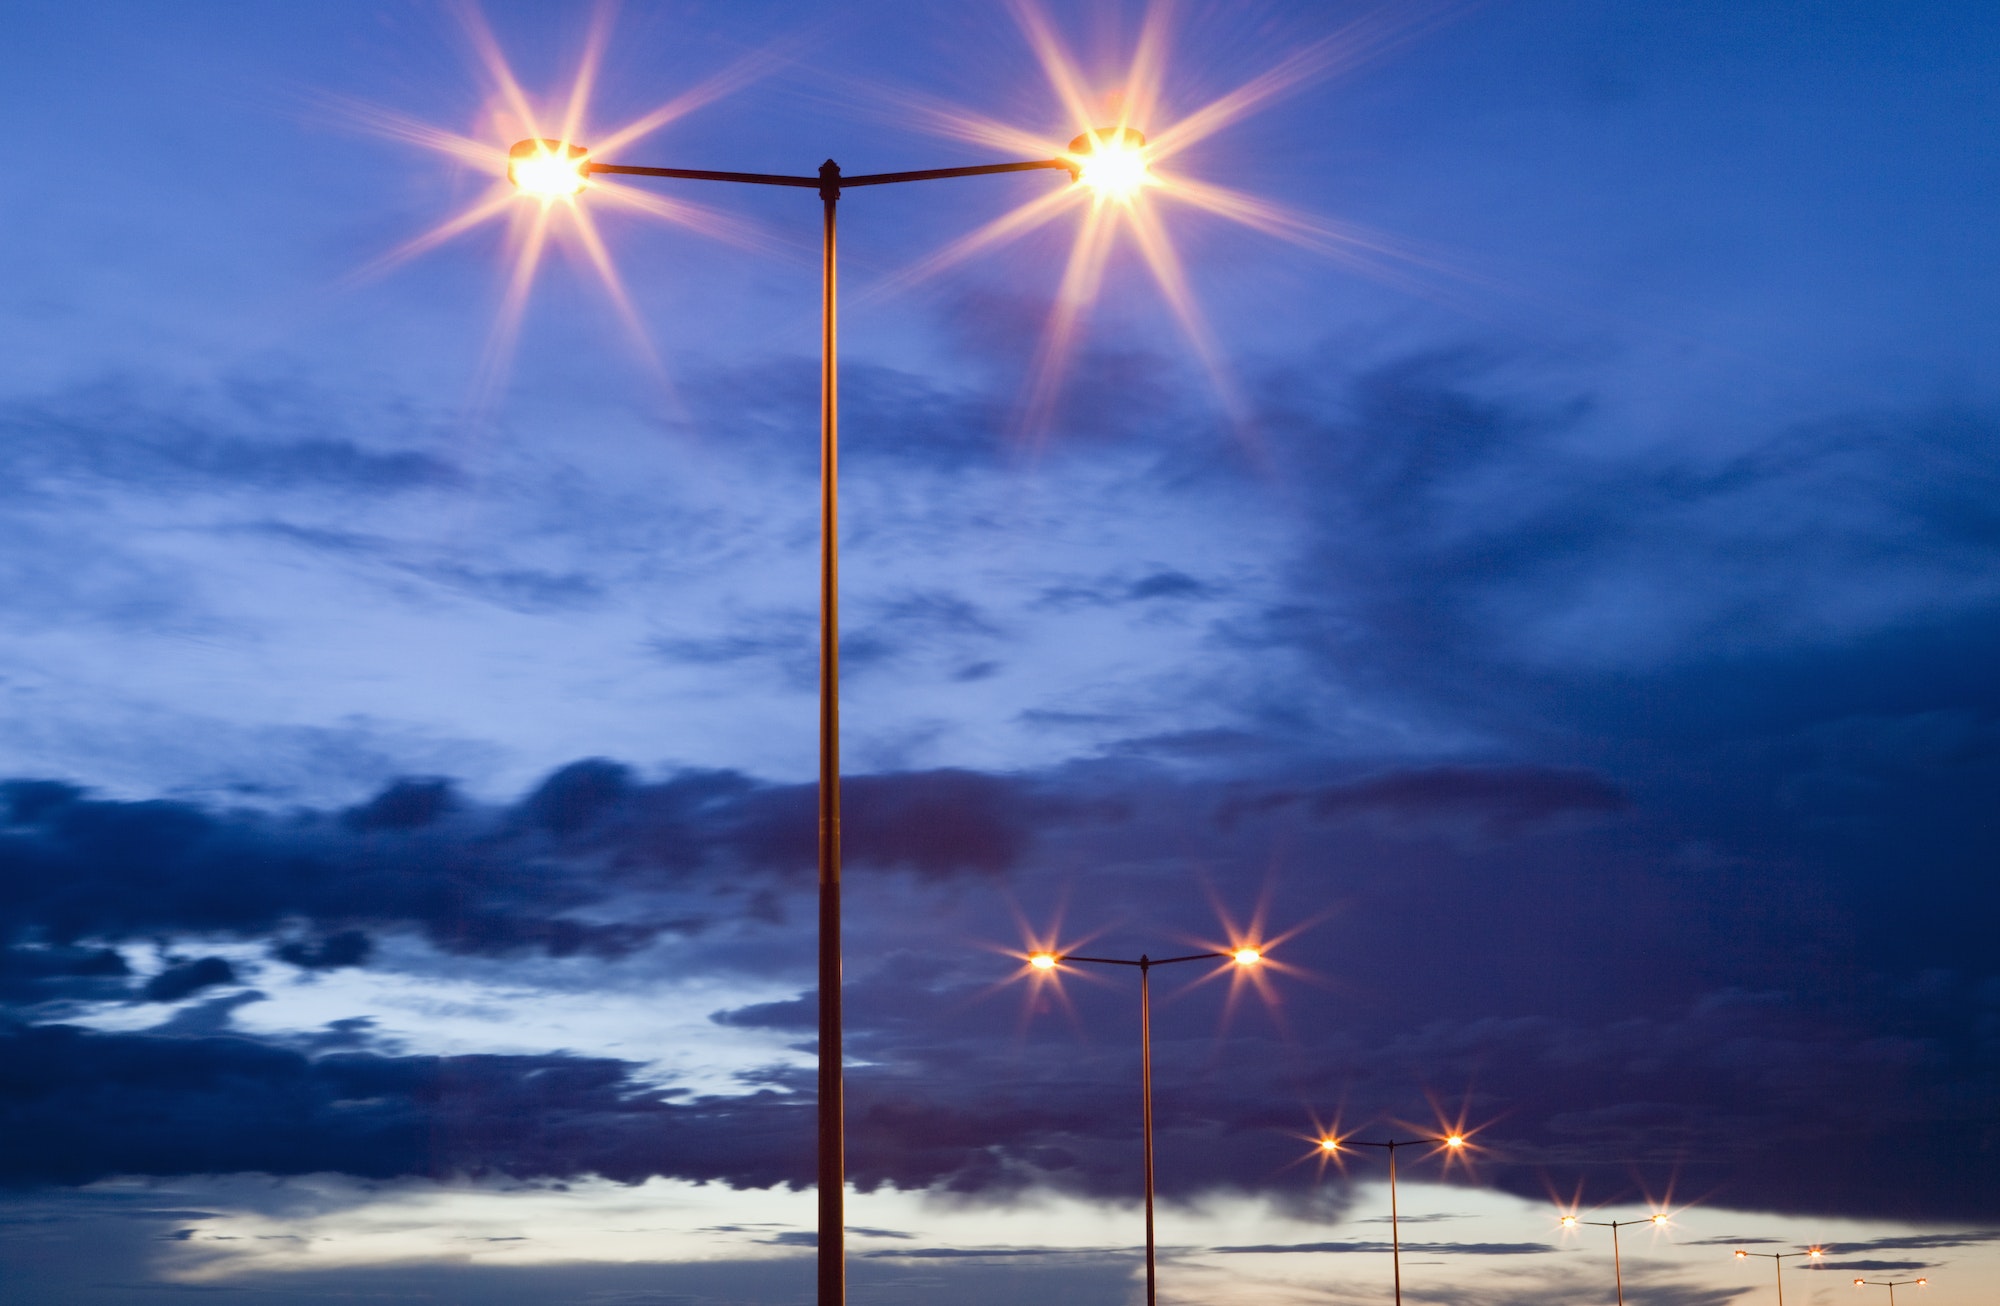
(1451, 1142)
(1110, 159)
(1656, 1219)
(1145, 964)
(1891, 1285)
(1778, 1260)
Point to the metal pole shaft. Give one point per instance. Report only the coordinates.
(1395, 1232)
(1778, 1264)
(1146, 1092)
(1617, 1266)
(832, 1140)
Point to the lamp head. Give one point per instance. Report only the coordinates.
(1922, 1282)
(1042, 961)
(1454, 1141)
(1111, 161)
(1329, 1144)
(1813, 1253)
(547, 169)
(1741, 1254)
(1659, 1217)
(1246, 956)
(1859, 1282)
(1569, 1222)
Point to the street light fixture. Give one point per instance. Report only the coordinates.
(1656, 1219)
(1891, 1285)
(1446, 1143)
(1778, 1260)
(1109, 160)
(1048, 961)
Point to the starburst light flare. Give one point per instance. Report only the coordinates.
(1116, 159)
(540, 175)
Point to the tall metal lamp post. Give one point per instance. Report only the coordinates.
(1891, 1285)
(1437, 1142)
(1778, 1260)
(1656, 1219)
(1145, 964)
(1111, 159)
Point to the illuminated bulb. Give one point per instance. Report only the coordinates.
(547, 169)
(1569, 1222)
(1247, 956)
(1111, 161)
(1661, 1218)
(1329, 1144)
(1741, 1254)
(1922, 1282)
(1812, 1251)
(1859, 1282)
(1042, 961)
(1456, 1140)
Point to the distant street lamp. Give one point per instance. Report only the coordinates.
(1110, 161)
(1891, 1285)
(1331, 1145)
(1048, 961)
(1656, 1219)
(1778, 1260)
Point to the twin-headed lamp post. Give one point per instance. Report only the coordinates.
(1891, 1285)
(1447, 1143)
(1778, 1260)
(1048, 961)
(1112, 161)
(1656, 1219)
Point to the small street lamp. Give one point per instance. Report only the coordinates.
(1656, 1219)
(1891, 1285)
(1048, 961)
(1447, 1143)
(1778, 1260)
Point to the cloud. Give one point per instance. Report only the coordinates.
(1417, 1248)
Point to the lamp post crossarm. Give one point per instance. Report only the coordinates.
(940, 174)
(1143, 963)
(815, 183)
(700, 174)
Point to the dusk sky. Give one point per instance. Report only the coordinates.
(1538, 574)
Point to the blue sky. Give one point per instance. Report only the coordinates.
(1567, 630)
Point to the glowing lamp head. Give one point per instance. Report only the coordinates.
(1741, 1254)
(1329, 1144)
(1455, 1141)
(1922, 1282)
(1569, 1222)
(1043, 961)
(1111, 161)
(1246, 956)
(1659, 1217)
(1813, 1253)
(1859, 1282)
(547, 170)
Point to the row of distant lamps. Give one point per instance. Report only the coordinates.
(1331, 1145)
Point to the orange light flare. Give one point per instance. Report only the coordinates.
(1121, 136)
(1324, 1147)
(541, 185)
(1453, 1138)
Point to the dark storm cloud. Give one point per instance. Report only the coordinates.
(474, 879)
(77, 1106)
